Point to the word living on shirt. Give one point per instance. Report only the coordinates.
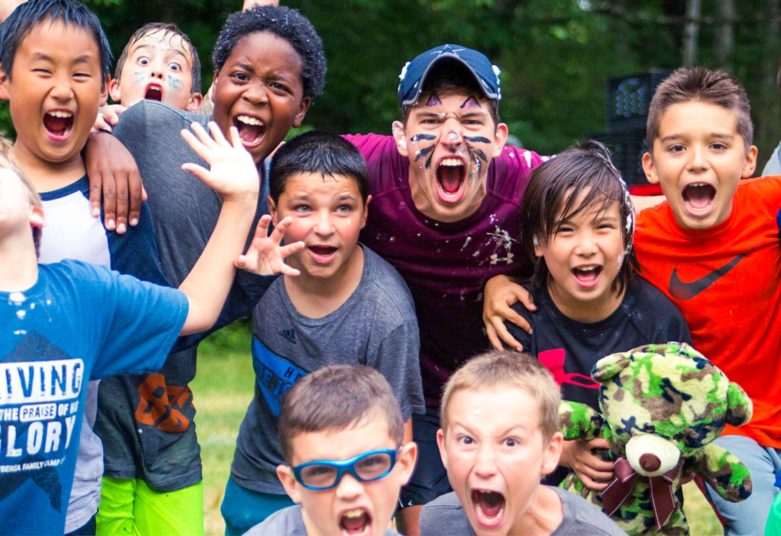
(39, 405)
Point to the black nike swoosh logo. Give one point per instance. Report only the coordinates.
(686, 291)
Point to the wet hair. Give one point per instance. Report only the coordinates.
(337, 397)
(450, 75)
(507, 368)
(703, 85)
(285, 23)
(551, 199)
(169, 30)
(30, 14)
(32, 193)
(317, 152)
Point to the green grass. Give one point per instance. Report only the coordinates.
(223, 388)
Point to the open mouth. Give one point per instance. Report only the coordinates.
(154, 92)
(699, 196)
(251, 129)
(58, 122)
(587, 275)
(489, 507)
(355, 521)
(322, 254)
(451, 175)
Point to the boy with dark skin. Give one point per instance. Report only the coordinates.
(269, 65)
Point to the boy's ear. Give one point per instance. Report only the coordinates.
(401, 138)
(751, 162)
(649, 168)
(365, 215)
(537, 246)
(104, 93)
(113, 90)
(37, 218)
(3, 85)
(500, 138)
(303, 107)
(408, 455)
(285, 475)
(550, 458)
(272, 208)
(441, 445)
(195, 102)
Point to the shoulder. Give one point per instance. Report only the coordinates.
(285, 521)
(386, 286)
(647, 295)
(155, 114)
(583, 518)
(764, 190)
(511, 171)
(444, 515)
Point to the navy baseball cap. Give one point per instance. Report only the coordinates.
(414, 72)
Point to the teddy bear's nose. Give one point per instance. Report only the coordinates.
(650, 462)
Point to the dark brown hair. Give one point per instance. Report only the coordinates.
(337, 397)
(705, 85)
(552, 199)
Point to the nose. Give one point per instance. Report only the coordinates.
(697, 160)
(157, 70)
(323, 224)
(485, 464)
(62, 89)
(255, 92)
(451, 132)
(586, 246)
(348, 487)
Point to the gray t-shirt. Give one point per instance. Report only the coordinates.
(773, 165)
(376, 327)
(146, 422)
(445, 516)
(289, 522)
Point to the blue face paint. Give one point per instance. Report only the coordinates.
(174, 83)
(423, 137)
(423, 153)
(477, 139)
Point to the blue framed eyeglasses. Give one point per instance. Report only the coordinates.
(319, 475)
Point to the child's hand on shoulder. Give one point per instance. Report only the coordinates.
(232, 172)
(266, 256)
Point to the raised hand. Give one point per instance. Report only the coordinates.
(231, 172)
(265, 256)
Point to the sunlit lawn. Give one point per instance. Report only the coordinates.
(223, 388)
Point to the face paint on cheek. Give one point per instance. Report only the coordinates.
(477, 139)
(139, 77)
(422, 137)
(174, 83)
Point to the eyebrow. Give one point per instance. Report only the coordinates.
(717, 135)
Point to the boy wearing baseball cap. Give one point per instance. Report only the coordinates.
(445, 214)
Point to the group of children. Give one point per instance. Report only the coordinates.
(359, 348)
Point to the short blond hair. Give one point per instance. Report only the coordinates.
(32, 193)
(508, 368)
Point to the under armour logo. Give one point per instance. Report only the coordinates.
(289, 335)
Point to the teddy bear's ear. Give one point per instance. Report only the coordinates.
(609, 366)
(578, 421)
(739, 406)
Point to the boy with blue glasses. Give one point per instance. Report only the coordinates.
(346, 461)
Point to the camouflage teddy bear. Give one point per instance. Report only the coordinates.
(661, 407)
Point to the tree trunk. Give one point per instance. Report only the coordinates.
(691, 31)
(725, 33)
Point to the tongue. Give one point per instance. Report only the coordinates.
(491, 503)
(450, 178)
(355, 524)
(57, 125)
(699, 196)
(249, 133)
(588, 276)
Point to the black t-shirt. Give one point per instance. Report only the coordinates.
(569, 349)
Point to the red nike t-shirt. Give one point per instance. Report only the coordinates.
(727, 283)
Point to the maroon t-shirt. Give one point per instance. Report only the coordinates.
(446, 265)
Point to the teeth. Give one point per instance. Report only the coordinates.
(61, 114)
(357, 512)
(586, 268)
(249, 120)
(451, 162)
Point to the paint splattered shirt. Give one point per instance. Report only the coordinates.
(446, 265)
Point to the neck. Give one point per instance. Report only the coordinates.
(19, 266)
(543, 516)
(47, 176)
(587, 312)
(316, 297)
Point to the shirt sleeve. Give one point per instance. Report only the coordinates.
(398, 359)
(143, 322)
(520, 335)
